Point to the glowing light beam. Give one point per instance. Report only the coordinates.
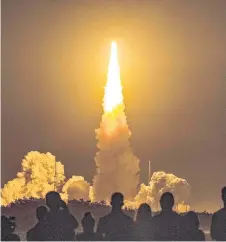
(113, 90)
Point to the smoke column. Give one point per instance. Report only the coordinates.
(117, 166)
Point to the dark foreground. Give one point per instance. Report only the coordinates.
(24, 212)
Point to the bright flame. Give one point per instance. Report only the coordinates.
(113, 89)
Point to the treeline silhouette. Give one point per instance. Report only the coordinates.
(56, 223)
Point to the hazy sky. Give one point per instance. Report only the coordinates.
(173, 65)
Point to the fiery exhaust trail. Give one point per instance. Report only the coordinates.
(113, 90)
(117, 166)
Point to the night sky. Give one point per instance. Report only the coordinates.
(173, 68)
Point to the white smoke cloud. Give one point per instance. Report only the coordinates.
(164, 182)
(76, 188)
(117, 166)
(37, 177)
(12, 191)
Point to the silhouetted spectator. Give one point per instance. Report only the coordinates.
(116, 225)
(191, 231)
(34, 234)
(8, 226)
(59, 224)
(143, 225)
(88, 224)
(218, 225)
(167, 224)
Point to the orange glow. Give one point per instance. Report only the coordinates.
(113, 96)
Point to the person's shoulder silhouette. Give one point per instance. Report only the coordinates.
(8, 226)
(167, 224)
(34, 234)
(218, 224)
(88, 223)
(59, 224)
(191, 231)
(143, 229)
(12, 237)
(116, 225)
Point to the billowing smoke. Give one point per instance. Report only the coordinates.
(164, 182)
(76, 188)
(38, 176)
(117, 166)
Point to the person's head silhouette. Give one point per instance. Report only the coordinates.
(41, 212)
(8, 225)
(88, 223)
(117, 201)
(143, 212)
(167, 201)
(53, 200)
(223, 195)
(192, 220)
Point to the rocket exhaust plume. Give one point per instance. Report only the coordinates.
(113, 91)
(117, 166)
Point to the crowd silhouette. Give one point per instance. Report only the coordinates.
(56, 223)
